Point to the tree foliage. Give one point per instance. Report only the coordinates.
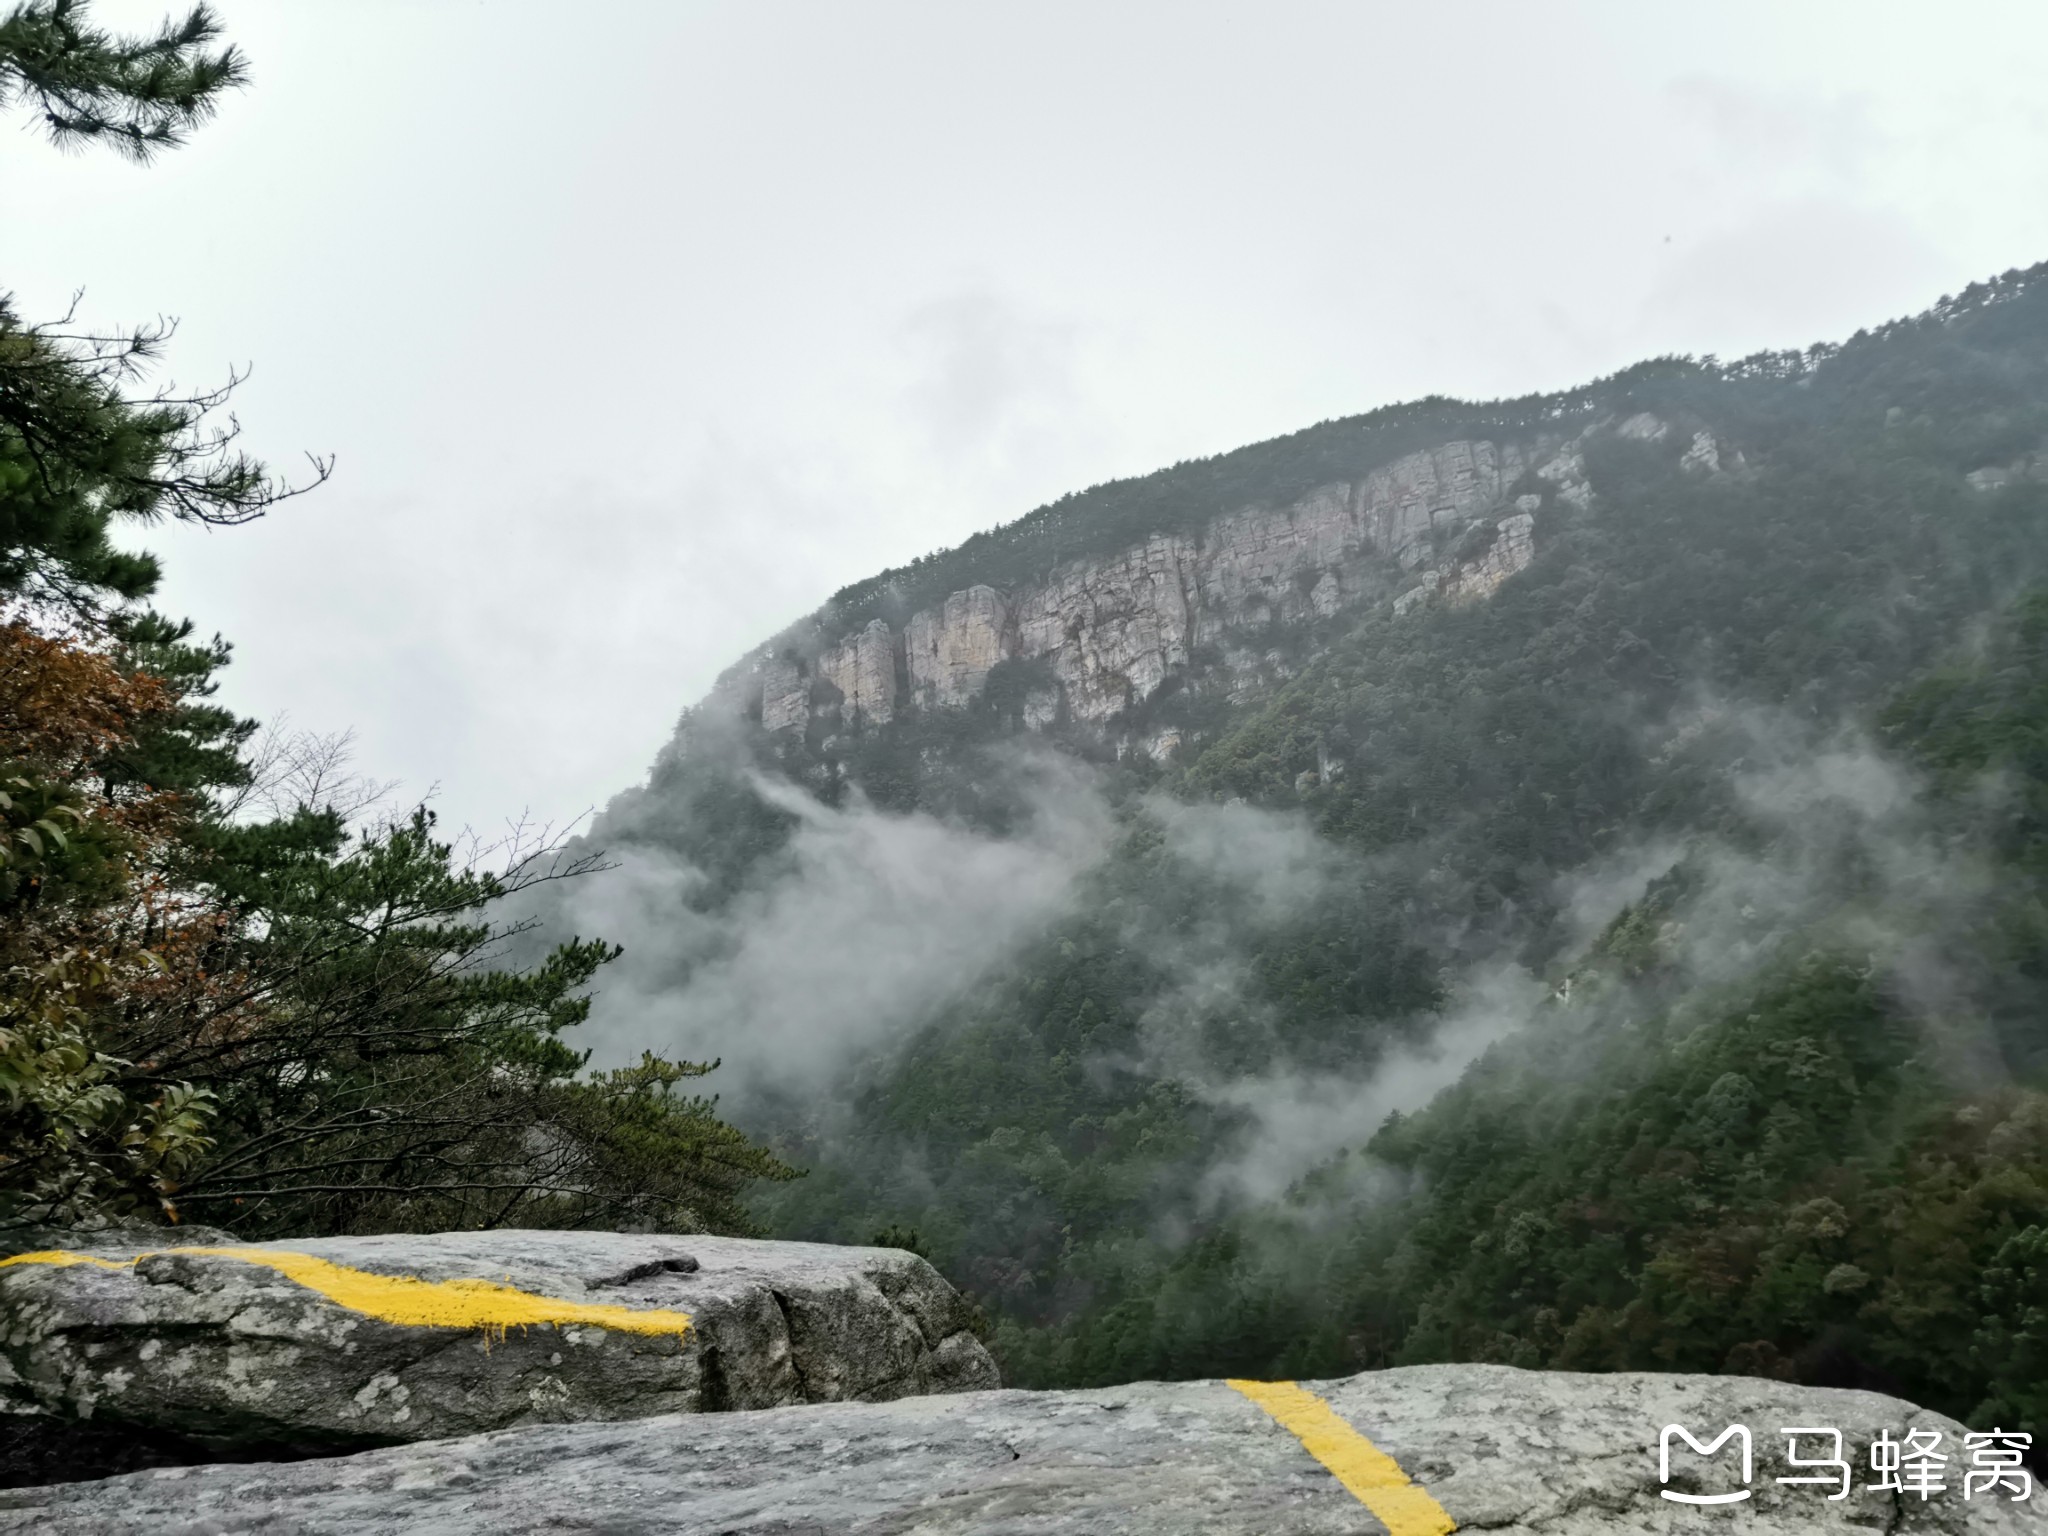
(137, 95)
(84, 450)
(228, 984)
(1818, 1157)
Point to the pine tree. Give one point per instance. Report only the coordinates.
(136, 95)
(82, 445)
(287, 1025)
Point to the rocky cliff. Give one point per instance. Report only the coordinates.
(218, 1350)
(1448, 523)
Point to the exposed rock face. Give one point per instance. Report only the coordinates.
(1566, 470)
(1703, 457)
(1513, 546)
(1992, 477)
(1112, 628)
(1424, 495)
(226, 1351)
(785, 694)
(863, 668)
(951, 652)
(1487, 1447)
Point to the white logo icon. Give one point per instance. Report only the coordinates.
(1732, 1432)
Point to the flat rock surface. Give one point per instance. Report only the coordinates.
(1496, 1449)
(246, 1350)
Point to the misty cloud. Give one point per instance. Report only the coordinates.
(1276, 859)
(1793, 273)
(1849, 839)
(1833, 840)
(1273, 868)
(1302, 1120)
(871, 923)
(1593, 896)
(1260, 870)
(1782, 136)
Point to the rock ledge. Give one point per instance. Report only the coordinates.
(238, 1354)
(1500, 1450)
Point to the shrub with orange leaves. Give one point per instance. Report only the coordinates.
(91, 933)
(282, 1024)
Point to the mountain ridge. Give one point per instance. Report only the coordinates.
(1185, 496)
(1147, 1051)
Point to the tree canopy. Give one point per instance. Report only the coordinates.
(231, 985)
(136, 95)
(1782, 1116)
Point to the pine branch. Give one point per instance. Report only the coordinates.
(137, 95)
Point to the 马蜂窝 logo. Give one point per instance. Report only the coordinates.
(1732, 1432)
(1915, 1465)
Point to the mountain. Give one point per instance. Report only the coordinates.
(1555, 882)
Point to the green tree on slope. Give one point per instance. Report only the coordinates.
(283, 1025)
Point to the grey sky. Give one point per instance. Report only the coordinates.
(639, 328)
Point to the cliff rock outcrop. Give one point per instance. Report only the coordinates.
(343, 1342)
(1110, 629)
(1415, 1452)
(950, 653)
(862, 667)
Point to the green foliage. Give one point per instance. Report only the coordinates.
(81, 451)
(35, 827)
(400, 1076)
(905, 1238)
(75, 1143)
(192, 748)
(2012, 1338)
(135, 94)
(291, 1024)
(683, 1166)
(1787, 1161)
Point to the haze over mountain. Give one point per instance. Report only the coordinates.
(1549, 893)
(830, 294)
(1552, 881)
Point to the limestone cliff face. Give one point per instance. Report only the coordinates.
(1110, 629)
(863, 668)
(949, 652)
(785, 693)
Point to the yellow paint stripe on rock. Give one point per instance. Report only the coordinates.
(407, 1301)
(1373, 1477)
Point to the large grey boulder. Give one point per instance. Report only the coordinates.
(1489, 1447)
(297, 1347)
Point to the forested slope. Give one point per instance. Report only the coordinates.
(1699, 866)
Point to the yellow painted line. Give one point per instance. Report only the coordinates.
(1373, 1477)
(407, 1301)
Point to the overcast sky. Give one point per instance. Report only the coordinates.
(640, 328)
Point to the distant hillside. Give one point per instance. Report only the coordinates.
(1555, 882)
(1761, 390)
